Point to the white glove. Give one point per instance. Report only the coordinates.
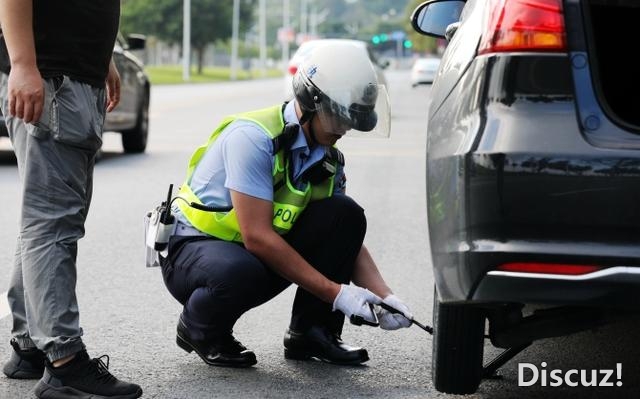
(393, 321)
(354, 300)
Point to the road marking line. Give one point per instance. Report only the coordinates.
(4, 306)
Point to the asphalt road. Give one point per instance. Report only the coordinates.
(127, 313)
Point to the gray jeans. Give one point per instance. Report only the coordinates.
(56, 156)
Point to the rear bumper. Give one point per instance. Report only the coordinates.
(474, 277)
(611, 287)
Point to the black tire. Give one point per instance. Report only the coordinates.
(458, 343)
(135, 140)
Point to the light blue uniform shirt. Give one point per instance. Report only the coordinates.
(241, 160)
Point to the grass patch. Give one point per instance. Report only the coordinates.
(172, 74)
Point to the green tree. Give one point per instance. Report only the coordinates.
(360, 19)
(210, 21)
(421, 43)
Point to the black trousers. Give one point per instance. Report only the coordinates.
(217, 281)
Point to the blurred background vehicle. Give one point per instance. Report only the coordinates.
(131, 117)
(424, 71)
(533, 166)
(306, 48)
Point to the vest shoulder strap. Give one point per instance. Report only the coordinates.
(337, 155)
(284, 140)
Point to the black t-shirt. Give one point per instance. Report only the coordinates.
(73, 38)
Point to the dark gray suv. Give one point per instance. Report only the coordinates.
(131, 117)
(533, 175)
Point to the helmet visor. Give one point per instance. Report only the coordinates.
(366, 116)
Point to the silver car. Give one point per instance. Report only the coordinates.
(131, 117)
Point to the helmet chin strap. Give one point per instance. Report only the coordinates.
(307, 116)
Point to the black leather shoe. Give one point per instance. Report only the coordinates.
(318, 342)
(25, 364)
(224, 351)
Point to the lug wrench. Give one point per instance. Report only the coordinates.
(359, 320)
(413, 321)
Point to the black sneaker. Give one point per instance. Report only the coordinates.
(24, 364)
(84, 378)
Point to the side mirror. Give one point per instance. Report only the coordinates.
(435, 17)
(136, 42)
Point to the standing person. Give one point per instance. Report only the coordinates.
(288, 220)
(55, 57)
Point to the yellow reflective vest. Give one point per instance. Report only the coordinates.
(288, 202)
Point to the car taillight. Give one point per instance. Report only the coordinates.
(547, 268)
(524, 25)
(292, 69)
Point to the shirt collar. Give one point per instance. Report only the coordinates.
(303, 157)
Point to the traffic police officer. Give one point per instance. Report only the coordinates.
(288, 220)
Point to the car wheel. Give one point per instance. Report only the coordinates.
(135, 140)
(458, 343)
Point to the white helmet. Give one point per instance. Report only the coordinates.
(337, 82)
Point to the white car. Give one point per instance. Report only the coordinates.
(424, 71)
(305, 49)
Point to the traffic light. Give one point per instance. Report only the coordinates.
(407, 43)
(380, 38)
